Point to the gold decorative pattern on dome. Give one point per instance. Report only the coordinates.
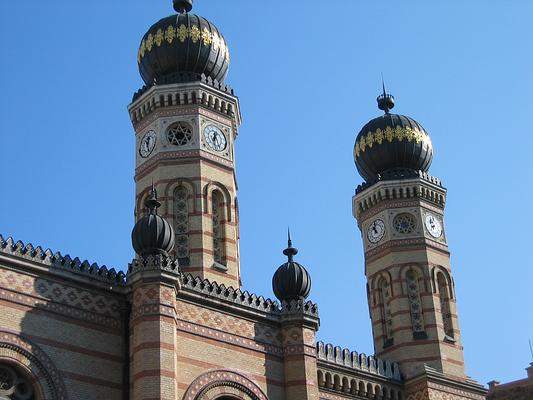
(170, 34)
(158, 37)
(182, 33)
(216, 41)
(206, 37)
(389, 134)
(149, 42)
(194, 33)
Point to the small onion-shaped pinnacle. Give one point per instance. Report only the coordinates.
(182, 6)
(291, 281)
(152, 234)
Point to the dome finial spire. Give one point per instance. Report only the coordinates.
(151, 202)
(385, 100)
(182, 6)
(290, 251)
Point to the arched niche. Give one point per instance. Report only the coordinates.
(223, 385)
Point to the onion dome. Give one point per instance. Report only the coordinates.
(152, 234)
(391, 143)
(181, 48)
(291, 281)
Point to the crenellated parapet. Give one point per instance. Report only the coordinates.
(191, 90)
(362, 362)
(349, 374)
(230, 295)
(399, 186)
(56, 262)
(398, 174)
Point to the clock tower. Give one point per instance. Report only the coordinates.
(186, 120)
(400, 212)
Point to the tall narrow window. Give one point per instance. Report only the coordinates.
(415, 305)
(181, 225)
(386, 316)
(218, 229)
(444, 296)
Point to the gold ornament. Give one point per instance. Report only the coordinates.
(206, 37)
(149, 42)
(216, 41)
(170, 34)
(195, 34)
(183, 33)
(158, 37)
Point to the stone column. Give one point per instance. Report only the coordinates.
(154, 282)
(299, 323)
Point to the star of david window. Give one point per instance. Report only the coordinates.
(404, 223)
(179, 134)
(13, 385)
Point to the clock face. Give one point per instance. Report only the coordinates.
(215, 138)
(375, 231)
(147, 144)
(433, 226)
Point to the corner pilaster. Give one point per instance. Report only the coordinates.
(299, 323)
(154, 282)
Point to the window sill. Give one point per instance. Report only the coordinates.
(219, 267)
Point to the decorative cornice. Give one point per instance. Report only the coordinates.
(56, 261)
(399, 174)
(360, 362)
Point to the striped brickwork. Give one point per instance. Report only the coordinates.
(390, 259)
(67, 333)
(198, 169)
(153, 344)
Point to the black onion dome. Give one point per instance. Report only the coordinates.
(391, 142)
(291, 281)
(182, 44)
(152, 234)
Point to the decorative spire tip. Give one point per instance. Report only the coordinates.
(151, 202)
(385, 100)
(290, 251)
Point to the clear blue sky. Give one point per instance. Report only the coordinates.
(307, 74)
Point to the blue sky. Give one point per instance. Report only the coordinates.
(307, 74)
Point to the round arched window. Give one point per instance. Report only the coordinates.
(14, 385)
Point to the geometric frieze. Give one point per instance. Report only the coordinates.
(71, 301)
(257, 332)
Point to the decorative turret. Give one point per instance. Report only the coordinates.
(291, 281)
(181, 48)
(391, 144)
(152, 234)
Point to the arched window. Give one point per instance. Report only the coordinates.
(444, 296)
(415, 305)
(218, 228)
(14, 385)
(181, 225)
(384, 292)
